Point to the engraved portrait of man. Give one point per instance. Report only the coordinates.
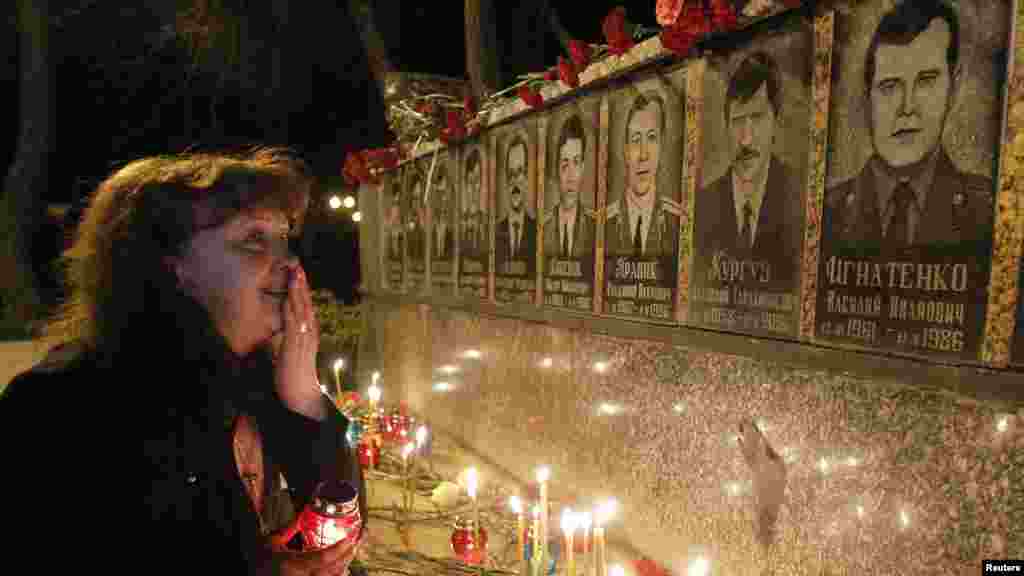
(643, 223)
(569, 226)
(910, 193)
(748, 213)
(474, 216)
(515, 236)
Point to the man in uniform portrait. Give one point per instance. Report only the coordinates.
(442, 243)
(516, 234)
(395, 231)
(910, 193)
(746, 213)
(417, 232)
(569, 227)
(474, 225)
(641, 223)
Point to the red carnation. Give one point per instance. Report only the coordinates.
(382, 158)
(614, 27)
(532, 98)
(456, 129)
(551, 74)
(723, 15)
(691, 27)
(469, 105)
(567, 72)
(792, 3)
(667, 11)
(580, 52)
(426, 107)
(355, 169)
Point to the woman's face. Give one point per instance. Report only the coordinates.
(239, 273)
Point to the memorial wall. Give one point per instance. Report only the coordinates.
(767, 295)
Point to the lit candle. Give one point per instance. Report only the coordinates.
(543, 475)
(374, 393)
(535, 556)
(406, 452)
(569, 522)
(339, 365)
(617, 570)
(472, 482)
(586, 520)
(602, 515)
(517, 508)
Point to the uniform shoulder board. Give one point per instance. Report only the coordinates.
(612, 210)
(974, 187)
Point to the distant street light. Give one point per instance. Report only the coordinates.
(357, 216)
(349, 202)
(334, 202)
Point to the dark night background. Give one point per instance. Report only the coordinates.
(120, 95)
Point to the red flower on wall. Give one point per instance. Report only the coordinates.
(667, 11)
(723, 15)
(567, 72)
(551, 74)
(581, 53)
(792, 3)
(355, 170)
(381, 158)
(469, 105)
(691, 27)
(531, 97)
(614, 27)
(456, 129)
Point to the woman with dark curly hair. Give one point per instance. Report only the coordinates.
(188, 310)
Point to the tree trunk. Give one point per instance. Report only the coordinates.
(481, 47)
(23, 207)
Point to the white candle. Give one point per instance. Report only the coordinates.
(569, 522)
(472, 483)
(543, 475)
(339, 365)
(586, 520)
(374, 393)
(602, 515)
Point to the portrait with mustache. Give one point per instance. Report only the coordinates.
(910, 194)
(751, 213)
(516, 233)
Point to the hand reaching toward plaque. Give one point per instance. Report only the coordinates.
(769, 475)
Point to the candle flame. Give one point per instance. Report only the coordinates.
(605, 511)
(699, 567)
(421, 436)
(339, 364)
(374, 377)
(471, 482)
(407, 450)
(472, 353)
(374, 391)
(543, 474)
(616, 570)
(569, 521)
(515, 504)
(536, 511)
(586, 519)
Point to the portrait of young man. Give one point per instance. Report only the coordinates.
(417, 234)
(442, 243)
(642, 223)
(906, 237)
(395, 228)
(910, 193)
(751, 212)
(516, 233)
(569, 226)
(473, 244)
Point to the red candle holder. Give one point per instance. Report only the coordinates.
(468, 543)
(333, 516)
(369, 454)
(397, 427)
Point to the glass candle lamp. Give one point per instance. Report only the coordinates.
(468, 543)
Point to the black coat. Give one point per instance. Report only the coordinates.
(181, 393)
